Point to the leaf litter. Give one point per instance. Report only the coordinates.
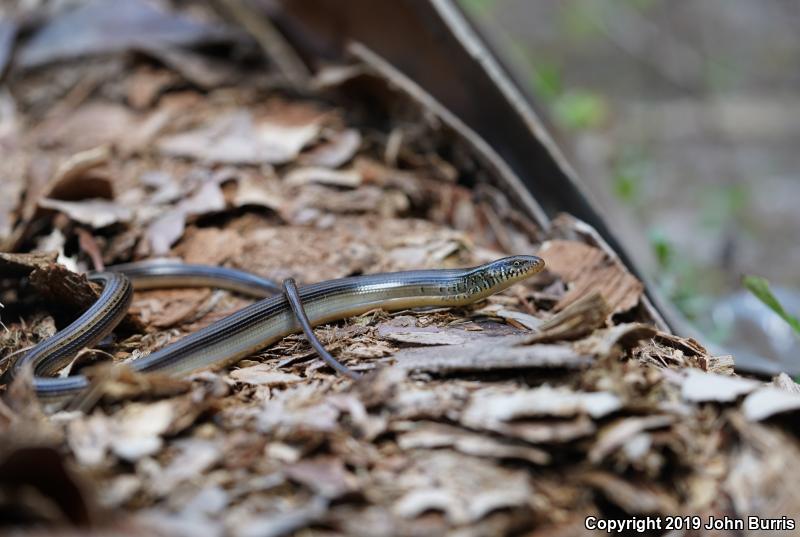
(525, 412)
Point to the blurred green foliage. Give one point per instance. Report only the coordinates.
(760, 288)
(478, 8)
(545, 79)
(577, 20)
(628, 173)
(579, 109)
(722, 204)
(688, 285)
(720, 208)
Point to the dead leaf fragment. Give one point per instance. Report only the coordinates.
(97, 213)
(264, 374)
(335, 152)
(136, 430)
(164, 231)
(237, 138)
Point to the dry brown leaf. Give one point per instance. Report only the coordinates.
(210, 246)
(93, 125)
(72, 181)
(164, 231)
(236, 138)
(251, 191)
(97, 213)
(335, 152)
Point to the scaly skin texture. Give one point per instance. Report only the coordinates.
(262, 323)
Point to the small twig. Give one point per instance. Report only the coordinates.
(7, 357)
(273, 44)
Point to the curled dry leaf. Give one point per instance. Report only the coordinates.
(250, 191)
(165, 230)
(577, 319)
(72, 180)
(335, 152)
(617, 434)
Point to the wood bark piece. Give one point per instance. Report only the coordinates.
(74, 291)
(495, 353)
(587, 269)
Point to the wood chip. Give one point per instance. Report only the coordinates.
(494, 353)
(587, 269)
(699, 387)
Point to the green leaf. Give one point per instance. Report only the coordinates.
(760, 288)
(662, 248)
